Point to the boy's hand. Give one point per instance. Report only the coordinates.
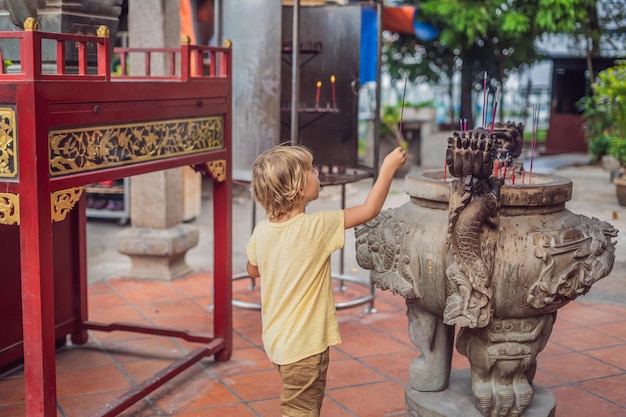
(395, 159)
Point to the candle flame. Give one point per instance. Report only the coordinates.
(319, 84)
(332, 79)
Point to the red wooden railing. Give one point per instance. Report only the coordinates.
(196, 61)
(188, 62)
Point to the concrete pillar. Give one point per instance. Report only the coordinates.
(255, 29)
(157, 240)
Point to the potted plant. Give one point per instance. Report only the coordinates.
(605, 119)
(423, 111)
(597, 124)
(617, 148)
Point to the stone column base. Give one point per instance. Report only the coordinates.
(457, 400)
(157, 253)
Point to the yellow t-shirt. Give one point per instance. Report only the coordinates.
(297, 305)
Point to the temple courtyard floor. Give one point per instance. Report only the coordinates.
(583, 364)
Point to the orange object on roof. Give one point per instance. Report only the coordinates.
(399, 19)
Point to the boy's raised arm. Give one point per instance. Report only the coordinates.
(353, 216)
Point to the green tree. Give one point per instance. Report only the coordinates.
(595, 28)
(404, 57)
(498, 36)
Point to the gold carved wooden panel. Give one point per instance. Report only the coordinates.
(96, 147)
(63, 201)
(8, 145)
(9, 208)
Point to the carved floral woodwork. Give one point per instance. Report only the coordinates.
(8, 145)
(92, 148)
(96, 147)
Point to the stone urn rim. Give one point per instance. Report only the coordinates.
(547, 192)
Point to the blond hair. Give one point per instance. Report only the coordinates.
(278, 176)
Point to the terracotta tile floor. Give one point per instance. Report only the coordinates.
(583, 365)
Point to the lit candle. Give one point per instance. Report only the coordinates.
(317, 94)
(332, 86)
(513, 177)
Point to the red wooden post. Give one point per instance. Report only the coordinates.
(28, 46)
(147, 57)
(185, 58)
(35, 244)
(226, 60)
(222, 224)
(60, 57)
(172, 63)
(222, 253)
(82, 57)
(80, 335)
(104, 52)
(199, 62)
(213, 63)
(124, 70)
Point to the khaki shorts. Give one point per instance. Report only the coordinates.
(303, 385)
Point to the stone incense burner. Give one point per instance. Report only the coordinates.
(494, 257)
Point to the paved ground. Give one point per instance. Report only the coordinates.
(583, 365)
(593, 196)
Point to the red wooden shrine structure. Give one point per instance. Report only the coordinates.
(63, 129)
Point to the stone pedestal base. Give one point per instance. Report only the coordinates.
(157, 253)
(457, 400)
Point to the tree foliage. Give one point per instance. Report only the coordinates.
(496, 36)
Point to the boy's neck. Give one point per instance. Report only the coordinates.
(290, 215)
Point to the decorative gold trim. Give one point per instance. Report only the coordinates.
(63, 201)
(9, 208)
(97, 147)
(8, 145)
(228, 43)
(217, 169)
(185, 40)
(103, 31)
(31, 24)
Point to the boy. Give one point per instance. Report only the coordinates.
(291, 251)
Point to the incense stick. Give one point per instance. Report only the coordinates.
(401, 114)
(484, 100)
(495, 107)
(533, 143)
